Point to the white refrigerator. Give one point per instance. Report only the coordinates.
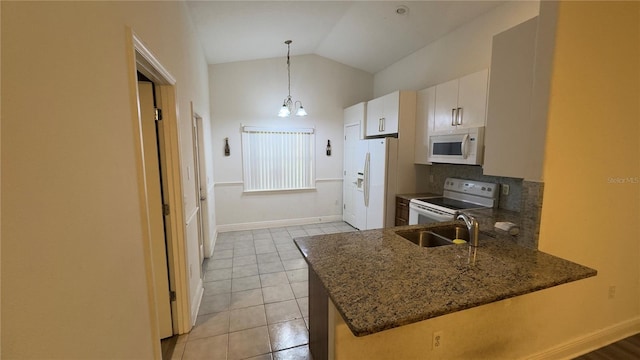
(376, 183)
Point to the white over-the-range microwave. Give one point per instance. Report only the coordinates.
(460, 146)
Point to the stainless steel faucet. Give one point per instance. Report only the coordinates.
(472, 226)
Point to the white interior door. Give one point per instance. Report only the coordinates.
(198, 186)
(350, 192)
(202, 185)
(155, 206)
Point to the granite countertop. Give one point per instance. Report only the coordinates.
(378, 280)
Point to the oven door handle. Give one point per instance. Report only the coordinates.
(435, 214)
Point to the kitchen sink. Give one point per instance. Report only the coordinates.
(424, 238)
(437, 236)
(452, 232)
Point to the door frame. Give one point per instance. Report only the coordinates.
(201, 193)
(141, 59)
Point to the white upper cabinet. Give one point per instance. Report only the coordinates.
(446, 105)
(461, 103)
(382, 115)
(510, 148)
(425, 120)
(356, 114)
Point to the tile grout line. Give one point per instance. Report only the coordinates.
(282, 249)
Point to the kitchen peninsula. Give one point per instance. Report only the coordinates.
(389, 291)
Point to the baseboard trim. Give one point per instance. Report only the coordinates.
(198, 300)
(212, 242)
(590, 342)
(278, 223)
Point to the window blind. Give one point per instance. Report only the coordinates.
(277, 158)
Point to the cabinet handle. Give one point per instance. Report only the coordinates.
(453, 117)
(381, 124)
(459, 116)
(464, 147)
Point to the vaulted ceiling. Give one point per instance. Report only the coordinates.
(368, 35)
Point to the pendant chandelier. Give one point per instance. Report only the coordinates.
(288, 104)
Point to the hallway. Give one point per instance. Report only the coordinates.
(255, 303)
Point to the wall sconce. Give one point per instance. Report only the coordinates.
(227, 150)
(328, 147)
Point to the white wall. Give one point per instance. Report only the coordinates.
(251, 93)
(73, 272)
(462, 51)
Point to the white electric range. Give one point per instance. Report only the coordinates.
(458, 195)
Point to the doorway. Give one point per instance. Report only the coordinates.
(200, 182)
(153, 147)
(350, 192)
(142, 60)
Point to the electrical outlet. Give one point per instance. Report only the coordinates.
(612, 291)
(505, 189)
(437, 339)
(431, 178)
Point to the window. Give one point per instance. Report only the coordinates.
(278, 158)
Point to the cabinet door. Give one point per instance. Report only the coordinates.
(390, 111)
(446, 102)
(508, 147)
(402, 212)
(355, 114)
(374, 114)
(425, 121)
(472, 99)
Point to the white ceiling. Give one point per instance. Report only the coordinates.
(367, 35)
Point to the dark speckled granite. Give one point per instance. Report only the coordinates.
(378, 280)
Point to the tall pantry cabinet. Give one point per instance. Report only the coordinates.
(509, 135)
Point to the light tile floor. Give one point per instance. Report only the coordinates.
(255, 303)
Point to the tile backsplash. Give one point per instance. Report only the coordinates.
(437, 174)
(525, 197)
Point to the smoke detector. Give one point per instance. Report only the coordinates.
(402, 10)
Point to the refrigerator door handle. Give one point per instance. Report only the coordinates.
(367, 159)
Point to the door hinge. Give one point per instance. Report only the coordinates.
(172, 295)
(158, 114)
(344, 206)
(165, 209)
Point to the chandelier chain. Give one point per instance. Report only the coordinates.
(288, 105)
(289, 67)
